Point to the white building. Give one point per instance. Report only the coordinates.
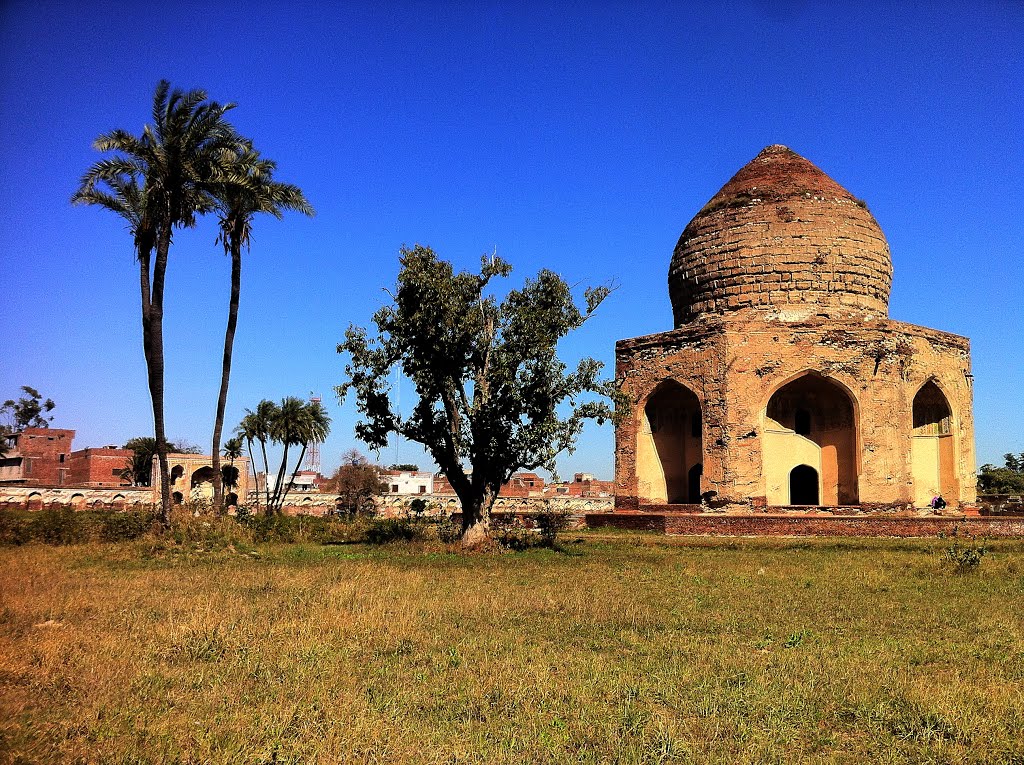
(408, 481)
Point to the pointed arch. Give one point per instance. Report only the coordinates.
(670, 444)
(811, 420)
(933, 445)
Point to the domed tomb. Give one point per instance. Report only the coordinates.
(782, 236)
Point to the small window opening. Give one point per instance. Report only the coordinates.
(803, 422)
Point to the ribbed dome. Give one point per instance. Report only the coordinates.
(781, 235)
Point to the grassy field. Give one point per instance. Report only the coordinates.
(621, 648)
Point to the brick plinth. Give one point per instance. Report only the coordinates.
(796, 525)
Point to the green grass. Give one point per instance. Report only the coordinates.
(622, 648)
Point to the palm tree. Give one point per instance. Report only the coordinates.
(256, 426)
(232, 450)
(314, 425)
(160, 181)
(248, 188)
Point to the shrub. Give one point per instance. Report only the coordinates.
(448, 531)
(59, 526)
(390, 530)
(550, 523)
(123, 527)
(965, 552)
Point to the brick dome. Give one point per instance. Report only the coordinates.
(781, 235)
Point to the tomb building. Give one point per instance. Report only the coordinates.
(784, 381)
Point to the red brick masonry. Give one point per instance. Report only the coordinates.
(768, 525)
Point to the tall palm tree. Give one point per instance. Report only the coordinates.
(248, 188)
(160, 181)
(313, 427)
(256, 426)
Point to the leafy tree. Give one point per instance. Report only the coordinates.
(486, 374)
(356, 482)
(1008, 479)
(248, 189)
(28, 411)
(295, 423)
(405, 466)
(157, 182)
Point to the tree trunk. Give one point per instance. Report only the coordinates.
(155, 364)
(476, 518)
(275, 505)
(229, 340)
(291, 481)
(266, 477)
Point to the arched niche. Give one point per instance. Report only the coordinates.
(810, 421)
(177, 472)
(932, 446)
(670, 445)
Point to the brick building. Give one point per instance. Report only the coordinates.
(784, 381)
(38, 457)
(103, 466)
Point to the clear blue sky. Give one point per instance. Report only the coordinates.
(576, 136)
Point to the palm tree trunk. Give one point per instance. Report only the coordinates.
(225, 375)
(280, 480)
(155, 365)
(266, 474)
(291, 481)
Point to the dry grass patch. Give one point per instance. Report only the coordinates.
(631, 649)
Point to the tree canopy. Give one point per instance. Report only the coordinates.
(356, 482)
(27, 411)
(1008, 479)
(490, 390)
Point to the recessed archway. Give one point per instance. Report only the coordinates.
(670, 446)
(803, 486)
(932, 449)
(811, 421)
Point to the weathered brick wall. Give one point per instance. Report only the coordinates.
(391, 506)
(735, 364)
(98, 467)
(82, 497)
(781, 234)
(797, 525)
(41, 450)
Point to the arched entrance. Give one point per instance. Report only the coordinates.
(202, 483)
(670, 446)
(803, 486)
(932, 446)
(811, 423)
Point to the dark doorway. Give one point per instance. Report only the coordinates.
(693, 483)
(803, 486)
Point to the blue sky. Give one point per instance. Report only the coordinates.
(581, 137)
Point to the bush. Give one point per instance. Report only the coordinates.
(124, 527)
(59, 526)
(391, 530)
(448, 531)
(965, 553)
(550, 523)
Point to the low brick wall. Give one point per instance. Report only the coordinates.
(792, 524)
